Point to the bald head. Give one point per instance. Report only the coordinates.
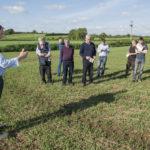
(87, 38)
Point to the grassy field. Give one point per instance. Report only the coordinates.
(113, 113)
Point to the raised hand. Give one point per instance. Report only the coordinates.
(22, 55)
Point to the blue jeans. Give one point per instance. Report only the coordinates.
(138, 70)
(59, 67)
(101, 66)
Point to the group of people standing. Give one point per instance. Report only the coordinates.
(66, 57)
(136, 58)
(88, 50)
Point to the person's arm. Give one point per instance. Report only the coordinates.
(81, 50)
(49, 51)
(145, 50)
(73, 51)
(99, 49)
(13, 62)
(136, 51)
(132, 54)
(38, 52)
(108, 49)
(61, 55)
(94, 52)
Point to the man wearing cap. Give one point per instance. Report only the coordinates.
(5, 64)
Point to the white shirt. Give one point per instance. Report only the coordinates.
(38, 52)
(103, 49)
(7, 63)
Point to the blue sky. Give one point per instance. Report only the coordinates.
(110, 16)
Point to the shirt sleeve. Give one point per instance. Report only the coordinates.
(38, 51)
(61, 54)
(99, 49)
(145, 47)
(7, 63)
(81, 50)
(49, 50)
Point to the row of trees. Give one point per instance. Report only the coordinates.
(74, 34)
(80, 33)
(77, 34)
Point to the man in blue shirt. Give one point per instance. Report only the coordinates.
(88, 54)
(8, 63)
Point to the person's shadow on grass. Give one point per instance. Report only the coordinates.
(65, 110)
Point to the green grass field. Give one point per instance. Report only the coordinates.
(111, 114)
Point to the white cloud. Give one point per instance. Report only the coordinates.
(125, 13)
(14, 9)
(56, 7)
(94, 11)
(79, 19)
(3, 21)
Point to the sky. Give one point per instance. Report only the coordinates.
(109, 16)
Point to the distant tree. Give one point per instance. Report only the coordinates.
(103, 36)
(34, 31)
(9, 31)
(128, 35)
(77, 34)
(82, 33)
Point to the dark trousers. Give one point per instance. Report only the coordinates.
(67, 67)
(46, 70)
(130, 64)
(1, 85)
(87, 67)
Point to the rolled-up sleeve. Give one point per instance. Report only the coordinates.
(8, 63)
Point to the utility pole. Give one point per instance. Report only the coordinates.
(131, 32)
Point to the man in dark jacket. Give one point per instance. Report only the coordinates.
(43, 52)
(67, 57)
(88, 54)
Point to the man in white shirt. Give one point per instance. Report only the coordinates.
(102, 50)
(5, 64)
(141, 51)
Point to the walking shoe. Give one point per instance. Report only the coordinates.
(84, 84)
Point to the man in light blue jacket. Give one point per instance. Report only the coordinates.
(5, 64)
(8, 63)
